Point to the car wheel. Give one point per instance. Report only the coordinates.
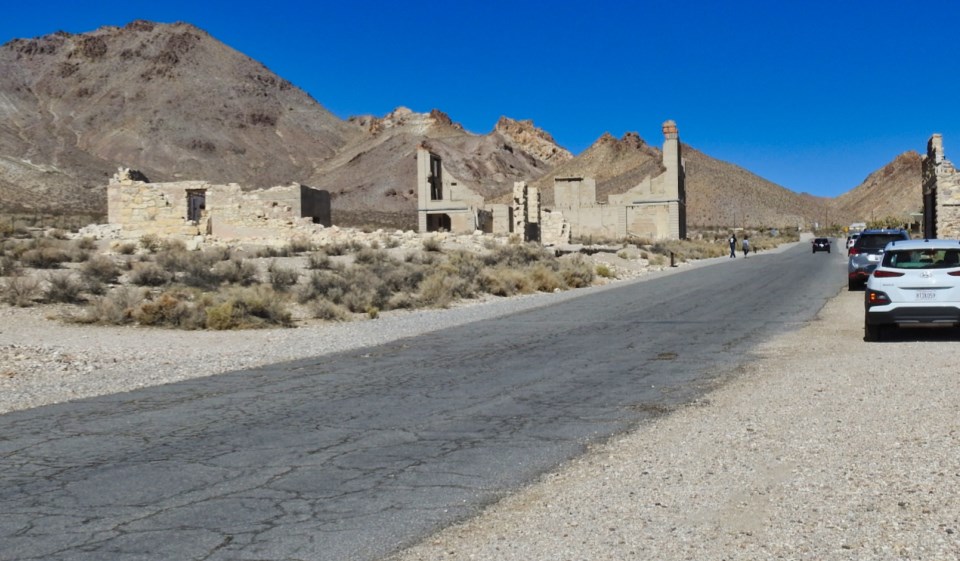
(851, 284)
(872, 333)
(828, 251)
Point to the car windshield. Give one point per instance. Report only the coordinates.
(922, 259)
(877, 241)
(822, 240)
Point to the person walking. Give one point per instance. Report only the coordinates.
(746, 246)
(733, 245)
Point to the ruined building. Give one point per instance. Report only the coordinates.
(192, 208)
(941, 193)
(653, 209)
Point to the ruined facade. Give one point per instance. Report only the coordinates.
(192, 208)
(941, 193)
(654, 209)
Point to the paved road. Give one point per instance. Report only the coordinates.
(350, 456)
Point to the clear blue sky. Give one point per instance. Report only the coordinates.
(813, 95)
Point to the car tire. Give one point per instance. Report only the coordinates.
(873, 333)
(851, 284)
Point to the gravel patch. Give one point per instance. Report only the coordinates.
(823, 447)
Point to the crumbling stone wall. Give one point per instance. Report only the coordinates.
(443, 202)
(226, 211)
(941, 193)
(655, 208)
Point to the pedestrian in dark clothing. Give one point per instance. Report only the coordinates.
(733, 245)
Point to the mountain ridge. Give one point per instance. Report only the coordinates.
(172, 101)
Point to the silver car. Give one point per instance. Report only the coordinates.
(916, 283)
(866, 253)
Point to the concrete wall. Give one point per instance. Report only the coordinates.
(941, 193)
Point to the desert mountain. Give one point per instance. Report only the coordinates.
(168, 100)
(175, 103)
(374, 179)
(895, 190)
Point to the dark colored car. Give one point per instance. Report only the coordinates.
(821, 244)
(867, 252)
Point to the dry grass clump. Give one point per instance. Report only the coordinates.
(63, 287)
(282, 278)
(115, 308)
(9, 266)
(21, 291)
(237, 271)
(328, 311)
(149, 274)
(247, 308)
(47, 257)
(319, 260)
(100, 269)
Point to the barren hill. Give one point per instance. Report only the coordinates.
(175, 103)
(166, 99)
(895, 190)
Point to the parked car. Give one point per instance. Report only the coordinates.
(866, 252)
(821, 244)
(852, 238)
(916, 283)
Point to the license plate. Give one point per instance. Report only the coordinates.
(873, 257)
(926, 295)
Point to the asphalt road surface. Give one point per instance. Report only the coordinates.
(352, 456)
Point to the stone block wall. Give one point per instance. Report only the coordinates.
(941, 193)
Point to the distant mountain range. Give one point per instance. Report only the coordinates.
(175, 103)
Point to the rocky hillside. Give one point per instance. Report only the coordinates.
(175, 103)
(166, 99)
(895, 190)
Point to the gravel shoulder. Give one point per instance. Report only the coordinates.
(823, 447)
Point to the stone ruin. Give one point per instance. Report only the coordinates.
(199, 208)
(653, 209)
(941, 193)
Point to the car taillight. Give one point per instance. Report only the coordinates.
(853, 251)
(954, 273)
(881, 273)
(876, 298)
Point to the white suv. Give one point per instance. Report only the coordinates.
(916, 283)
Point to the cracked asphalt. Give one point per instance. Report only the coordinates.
(356, 455)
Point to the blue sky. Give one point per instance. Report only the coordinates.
(813, 95)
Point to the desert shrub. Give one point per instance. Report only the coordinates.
(604, 271)
(150, 243)
(545, 279)
(248, 308)
(56, 234)
(576, 272)
(8, 266)
(658, 260)
(172, 244)
(237, 271)
(197, 269)
(44, 257)
(402, 301)
(217, 253)
(86, 243)
(327, 310)
(115, 308)
(374, 257)
(272, 252)
(101, 269)
(373, 312)
(63, 287)
(505, 281)
(149, 274)
(403, 277)
(318, 260)
(343, 248)
(432, 244)
(299, 244)
(437, 290)
(391, 243)
(126, 248)
(282, 278)
(20, 290)
(6, 230)
(327, 285)
(171, 309)
(516, 255)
